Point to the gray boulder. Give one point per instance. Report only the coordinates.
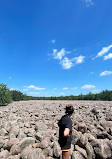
(29, 153)
(45, 143)
(81, 151)
(102, 148)
(56, 149)
(90, 151)
(77, 155)
(4, 154)
(15, 150)
(3, 132)
(26, 142)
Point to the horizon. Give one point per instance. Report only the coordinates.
(56, 48)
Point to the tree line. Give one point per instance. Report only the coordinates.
(7, 96)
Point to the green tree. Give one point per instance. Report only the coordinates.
(5, 95)
(17, 95)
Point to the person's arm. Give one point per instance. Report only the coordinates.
(66, 132)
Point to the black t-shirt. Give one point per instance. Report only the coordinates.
(65, 122)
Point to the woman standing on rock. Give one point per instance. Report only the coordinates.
(65, 132)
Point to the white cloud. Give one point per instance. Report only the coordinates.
(33, 93)
(12, 89)
(87, 86)
(89, 2)
(61, 93)
(34, 87)
(67, 63)
(55, 88)
(109, 56)
(59, 55)
(105, 73)
(65, 88)
(79, 59)
(103, 51)
(95, 90)
(53, 41)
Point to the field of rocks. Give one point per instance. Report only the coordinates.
(29, 130)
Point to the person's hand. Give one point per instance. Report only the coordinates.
(66, 132)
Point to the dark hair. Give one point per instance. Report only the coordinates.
(69, 109)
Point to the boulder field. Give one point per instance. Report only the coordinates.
(29, 130)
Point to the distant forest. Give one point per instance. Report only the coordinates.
(7, 96)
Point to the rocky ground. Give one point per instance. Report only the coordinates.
(29, 130)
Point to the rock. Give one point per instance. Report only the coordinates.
(56, 149)
(10, 143)
(4, 154)
(14, 130)
(27, 125)
(81, 151)
(82, 127)
(3, 132)
(15, 150)
(41, 156)
(26, 142)
(77, 155)
(40, 126)
(82, 141)
(14, 157)
(38, 136)
(102, 148)
(7, 126)
(106, 124)
(45, 143)
(21, 135)
(29, 153)
(1, 142)
(90, 151)
(76, 136)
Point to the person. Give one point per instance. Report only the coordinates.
(65, 132)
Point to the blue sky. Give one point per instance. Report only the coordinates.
(56, 47)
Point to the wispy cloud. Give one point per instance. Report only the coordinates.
(25, 89)
(109, 56)
(59, 54)
(103, 51)
(55, 88)
(34, 87)
(62, 93)
(12, 89)
(89, 2)
(33, 93)
(65, 88)
(88, 86)
(79, 59)
(105, 73)
(95, 90)
(10, 77)
(53, 41)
